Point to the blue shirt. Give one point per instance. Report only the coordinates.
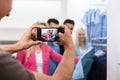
(53, 64)
(87, 46)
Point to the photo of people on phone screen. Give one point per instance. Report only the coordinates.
(49, 34)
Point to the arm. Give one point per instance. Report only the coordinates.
(27, 40)
(57, 57)
(63, 72)
(66, 66)
(10, 69)
(11, 48)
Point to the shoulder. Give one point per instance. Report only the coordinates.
(88, 44)
(17, 69)
(46, 47)
(22, 52)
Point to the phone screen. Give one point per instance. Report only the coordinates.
(47, 34)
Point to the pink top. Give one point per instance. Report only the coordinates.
(46, 37)
(47, 53)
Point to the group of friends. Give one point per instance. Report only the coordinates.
(45, 57)
(37, 60)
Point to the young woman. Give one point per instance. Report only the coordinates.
(82, 43)
(82, 48)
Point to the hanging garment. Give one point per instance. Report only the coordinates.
(96, 23)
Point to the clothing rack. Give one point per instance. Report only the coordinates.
(100, 43)
(101, 5)
(99, 38)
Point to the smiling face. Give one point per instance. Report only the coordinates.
(81, 36)
(5, 8)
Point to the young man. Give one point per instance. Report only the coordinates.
(12, 70)
(52, 22)
(70, 24)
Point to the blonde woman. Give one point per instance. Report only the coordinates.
(81, 42)
(83, 50)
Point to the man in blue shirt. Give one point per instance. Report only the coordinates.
(53, 23)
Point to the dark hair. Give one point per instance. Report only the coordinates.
(53, 20)
(69, 21)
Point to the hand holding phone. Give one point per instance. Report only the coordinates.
(49, 34)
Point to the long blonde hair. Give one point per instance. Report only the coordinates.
(40, 23)
(76, 38)
(32, 48)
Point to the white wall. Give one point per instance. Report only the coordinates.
(113, 58)
(75, 11)
(25, 13)
(11, 34)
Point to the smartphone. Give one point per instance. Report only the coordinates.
(49, 34)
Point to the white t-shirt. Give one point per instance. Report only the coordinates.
(39, 62)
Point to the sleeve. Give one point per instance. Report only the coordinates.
(10, 69)
(21, 56)
(55, 56)
(76, 60)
